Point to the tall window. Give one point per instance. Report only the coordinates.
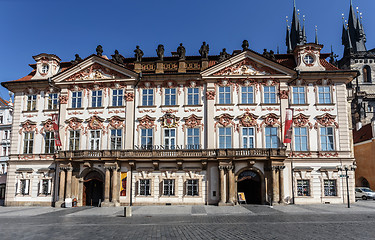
(1, 119)
(269, 94)
(367, 74)
(74, 140)
(192, 187)
(117, 97)
(170, 138)
(271, 137)
(28, 142)
(248, 137)
(168, 187)
(193, 138)
(146, 138)
(224, 95)
(299, 95)
(225, 137)
(170, 96)
(31, 102)
(96, 99)
(330, 188)
(147, 97)
(144, 187)
(193, 96)
(76, 99)
(324, 94)
(94, 139)
(24, 186)
(247, 95)
(45, 187)
(303, 187)
(326, 139)
(116, 138)
(53, 101)
(49, 142)
(300, 139)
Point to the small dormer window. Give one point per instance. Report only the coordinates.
(45, 69)
(308, 59)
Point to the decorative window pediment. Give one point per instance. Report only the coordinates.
(192, 121)
(301, 120)
(224, 120)
(270, 119)
(248, 120)
(146, 122)
(326, 120)
(74, 123)
(28, 126)
(95, 122)
(169, 120)
(47, 126)
(116, 122)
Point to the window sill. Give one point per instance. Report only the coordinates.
(199, 105)
(152, 106)
(298, 104)
(75, 109)
(116, 106)
(224, 104)
(269, 104)
(247, 104)
(324, 104)
(50, 110)
(30, 111)
(169, 106)
(95, 108)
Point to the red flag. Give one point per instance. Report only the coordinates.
(288, 125)
(55, 120)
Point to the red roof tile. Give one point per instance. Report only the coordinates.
(363, 134)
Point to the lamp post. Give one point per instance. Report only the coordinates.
(347, 168)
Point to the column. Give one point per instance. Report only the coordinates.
(275, 197)
(62, 185)
(281, 184)
(115, 190)
(69, 182)
(107, 184)
(222, 186)
(232, 195)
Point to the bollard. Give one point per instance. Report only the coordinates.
(127, 211)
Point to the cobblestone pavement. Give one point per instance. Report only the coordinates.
(202, 222)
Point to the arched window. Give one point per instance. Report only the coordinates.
(367, 74)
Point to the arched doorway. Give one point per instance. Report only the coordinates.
(250, 183)
(364, 182)
(92, 189)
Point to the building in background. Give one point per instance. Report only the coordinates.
(6, 111)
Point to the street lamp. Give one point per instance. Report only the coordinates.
(347, 168)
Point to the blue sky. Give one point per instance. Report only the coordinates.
(68, 27)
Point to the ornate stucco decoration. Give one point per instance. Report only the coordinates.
(302, 120)
(324, 82)
(192, 121)
(28, 126)
(224, 120)
(116, 122)
(270, 82)
(284, 94)
(95, 71)
(47, 126)
(247, 82)
(129, 96)
(169, 120)
(63, 99)
(192, 83)
(74, 123)
(270, 119)
(300, 154)
(146, 85)
(31, 90)
(328, 154)
(248, 119)
(95, 123)
(246, 67)
(326, 120)
(146, 122)
(210, 95)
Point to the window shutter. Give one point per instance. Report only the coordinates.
(185, 188)
(18, 186)
(161, 188)
(27, 183)
(40, 186)
(49, 186)
(136, 189)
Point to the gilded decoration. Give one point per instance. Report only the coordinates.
(95, 123)
(63, 99)
(210, 95)
(129, 96)
(301, 120)
(192, 122)
(146, 122)
(246, 67)
(270, 119)
(116, 122)
(28, 126)
(284, 94)
(326, 120)
(248, 119)
(47, 126)
(95, 71)
(169, 120)
(74, 123)
(224, 120)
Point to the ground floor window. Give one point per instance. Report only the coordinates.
(303, 187)
(45, 187)
(192, 187)
(23, 186)
(168, 187)
(330, 188)
(144, 187)
(2, 191)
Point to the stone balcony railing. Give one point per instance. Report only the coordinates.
(167, 154)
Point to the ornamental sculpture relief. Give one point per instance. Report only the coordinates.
(63, 99)
(74, 123)
(146, 122)
(270, 119)
(95, 123)
(47, 126)
(28, 126)
(95, 71)
(248, 120)
(129, 96)
(246, 67)
(116, 122)
(284, 94)
(326, 120)
(210, 95)
(192, 121)
(224, 120)
(169, 120)
(301, 120)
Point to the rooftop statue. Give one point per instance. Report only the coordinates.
(138, 54)
(181, 52)
(117, 58)
(77, 60)
(99, 50)
(204, 50)
(160, 52)
(223, 55)
(245, 45)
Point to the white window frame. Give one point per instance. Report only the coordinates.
(96, 98)
(247, 94)
(193, 184)
(23, 187)
(297, 101)
(42, 191)
(116, 140)
(28, 142)
(324, 92)
(329, 187)
(168, 93)
(118, 98)
(169, 138)
(146, 93)
(52, 101)
(327, 137)
(225, 137)
(193, 146)
(303, 181)
(168, 187)
(146, 138)
(147, 185)
(268, 100)
(248, 137)
(194, 96)
(224, 94)
(307, 138)
(31, 101)
(77, 100)
(95, 142)
(49, 142)
(74, 140)
(277, 137)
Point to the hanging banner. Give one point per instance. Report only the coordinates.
(288, 125)
(55, 120)
(124, 176)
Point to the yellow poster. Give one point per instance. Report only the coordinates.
(123, 183)
(241, 197)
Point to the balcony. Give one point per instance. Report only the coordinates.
(234, 153)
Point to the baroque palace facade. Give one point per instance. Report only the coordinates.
(181, 129)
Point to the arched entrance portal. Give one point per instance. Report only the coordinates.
(249, 182)
(93, 189)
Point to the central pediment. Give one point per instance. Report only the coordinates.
(247, 67)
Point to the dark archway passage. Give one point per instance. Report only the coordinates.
(93, 189)
(249, 182)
